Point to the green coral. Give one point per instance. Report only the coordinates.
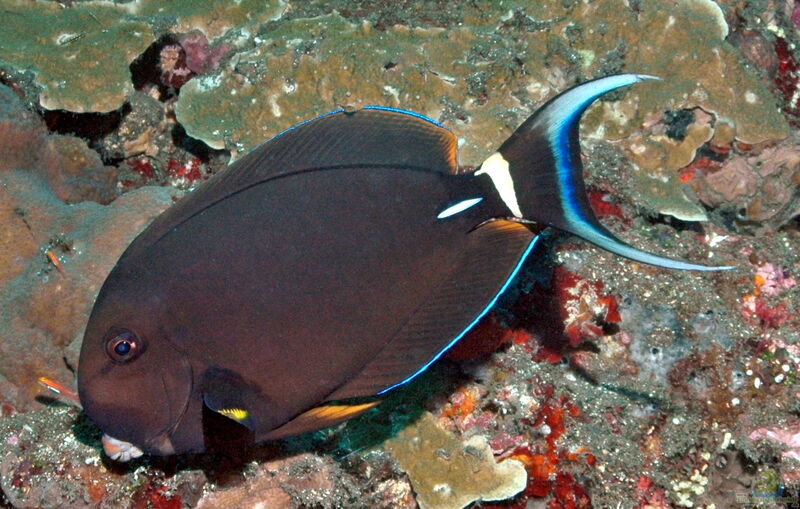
(494, 72)
(308, 66)
(699, 69)
(481, 77)
(212, 17)
(80, 55)
(449, 474)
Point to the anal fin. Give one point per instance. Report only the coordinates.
(320, 417)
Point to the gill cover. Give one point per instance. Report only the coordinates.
(138, 402)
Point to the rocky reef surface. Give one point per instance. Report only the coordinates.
(595, 381)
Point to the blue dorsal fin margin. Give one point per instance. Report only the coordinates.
(373, 107)
(404, 112)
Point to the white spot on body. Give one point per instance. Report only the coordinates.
(496, 167)
(750, 97)
(458, 207)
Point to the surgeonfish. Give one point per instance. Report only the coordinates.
(328, 266)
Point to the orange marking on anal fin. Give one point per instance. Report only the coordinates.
(339, 412)
(320, 417)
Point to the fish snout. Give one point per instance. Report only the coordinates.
(119, 450)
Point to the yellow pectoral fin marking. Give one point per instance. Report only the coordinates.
(237, 414)
(338, 412)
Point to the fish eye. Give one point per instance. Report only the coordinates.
(122, 345)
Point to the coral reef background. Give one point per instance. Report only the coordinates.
(595, 381)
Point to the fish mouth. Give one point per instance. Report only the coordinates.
(119, 450)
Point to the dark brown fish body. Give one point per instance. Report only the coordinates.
(336, 261)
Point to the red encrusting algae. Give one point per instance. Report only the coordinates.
(787, 80)
(584, 308)
(155, 497)
(488, 336)
(547, 475)
(604, 207)
(189, 171)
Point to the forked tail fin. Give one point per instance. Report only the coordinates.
(538, 171)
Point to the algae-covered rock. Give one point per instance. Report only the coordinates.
(212, 17)
(684, 44)
(484, 77)
(43, 310)
(448, 474)
(761, 190)
(309, 66)
(80, 54)
(658, 158)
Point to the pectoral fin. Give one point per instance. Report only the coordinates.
(227, 394)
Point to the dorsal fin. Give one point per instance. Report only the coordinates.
(373, 136)
(495, 253)
(370, 136)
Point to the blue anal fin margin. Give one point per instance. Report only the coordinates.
(494, 253)
(472, 324)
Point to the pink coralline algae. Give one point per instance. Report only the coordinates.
(771, 280)
(786, 79)
(191, 56)
(761, 188)
(796, 15)
(200, 58)
(788, 436)
(172, 62)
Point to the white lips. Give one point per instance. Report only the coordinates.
(120, 451)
